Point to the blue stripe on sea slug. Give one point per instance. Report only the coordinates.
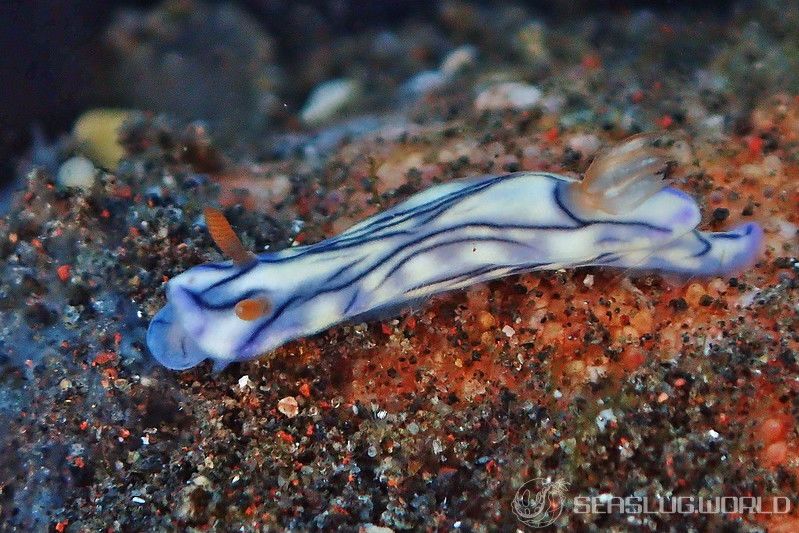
(705, 243)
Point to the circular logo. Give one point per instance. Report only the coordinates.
(537, 503)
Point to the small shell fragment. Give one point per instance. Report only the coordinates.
(288, 406)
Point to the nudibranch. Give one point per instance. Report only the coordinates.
(622, 214)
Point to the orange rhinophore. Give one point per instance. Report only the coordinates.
(225, 238)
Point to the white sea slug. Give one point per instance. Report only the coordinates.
(622, 214)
